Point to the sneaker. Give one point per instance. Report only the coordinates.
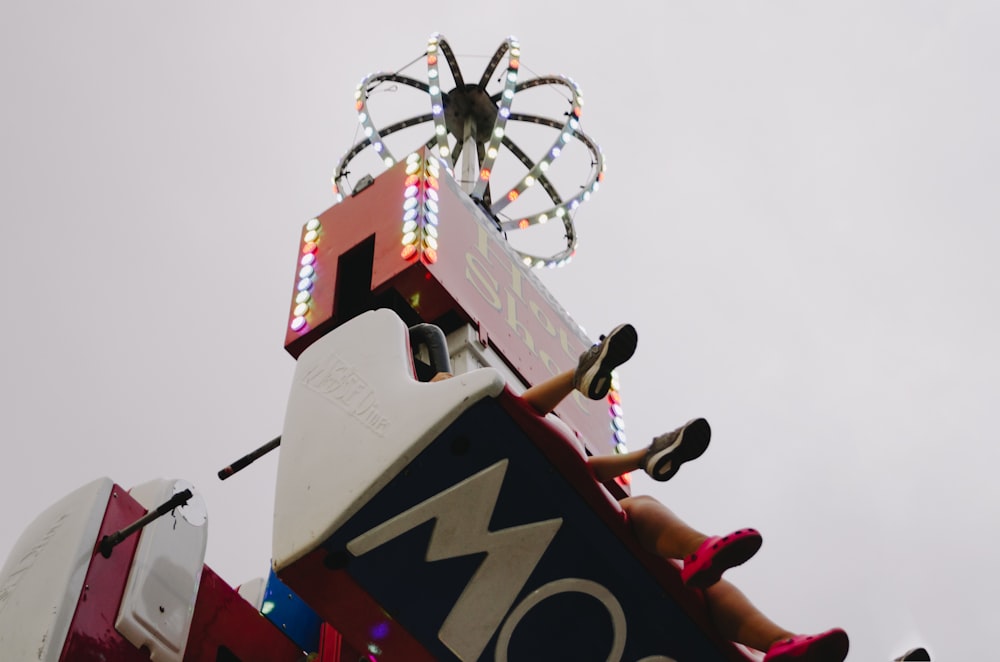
(716, 555)
(915, 655)
(829, 646)
(669, 451)
(593, 373)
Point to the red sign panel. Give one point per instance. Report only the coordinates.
(426, 241)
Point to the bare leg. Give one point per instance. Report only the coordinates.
(546, 396)
(595, 369)
(659, 530)
(665, 534)
(737, 619)
(608, 467)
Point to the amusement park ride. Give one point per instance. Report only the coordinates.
(412, 520)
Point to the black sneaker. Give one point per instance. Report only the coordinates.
(669, 451)
(593, 372)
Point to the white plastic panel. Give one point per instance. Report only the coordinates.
(163, 583)
(41, 581)
(253, 591)
(355, 418)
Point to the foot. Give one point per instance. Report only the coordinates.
(669, 451)
(716, 555)
(829, 646)
(593, 373)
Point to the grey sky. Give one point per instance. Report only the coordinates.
(799, 217)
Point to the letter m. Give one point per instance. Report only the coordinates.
(462, 516)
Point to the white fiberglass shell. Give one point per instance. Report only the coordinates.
(41, 581)
(163, 582)
(356, 417)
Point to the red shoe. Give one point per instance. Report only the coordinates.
(829, 646)
(716, 555)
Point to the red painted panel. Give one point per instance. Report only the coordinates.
(330, 644)
(92, 636)
(333, 648)
(522, 320)
(223, 618)
(377, 211)
(473, 273)
(342, 603)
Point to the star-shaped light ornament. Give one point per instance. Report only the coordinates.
(472, 125)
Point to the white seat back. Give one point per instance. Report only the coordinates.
(41, 582)
(355, 418)
(163, 581)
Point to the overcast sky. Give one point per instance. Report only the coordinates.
(800, 218)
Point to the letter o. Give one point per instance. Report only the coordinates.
(567, 585)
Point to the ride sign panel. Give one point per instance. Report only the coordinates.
(482, 550)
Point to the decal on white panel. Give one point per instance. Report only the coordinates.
(341, 383)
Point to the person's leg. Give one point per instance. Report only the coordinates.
(664, 456)
(593, 372)
(592, 375)
(669, 451)
(609, 467)
(737, 619)
(830, 646)
(665, 534)
(546, 396)
(659, 530)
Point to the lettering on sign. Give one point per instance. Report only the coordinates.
(462, 514)
(567, 585)
(525, 306)
(461, 517)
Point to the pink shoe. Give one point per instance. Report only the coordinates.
(716, 555)
(829, 646)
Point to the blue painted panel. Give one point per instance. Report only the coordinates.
(291, 614)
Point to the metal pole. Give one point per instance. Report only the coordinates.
(109, 542)
(249, 458)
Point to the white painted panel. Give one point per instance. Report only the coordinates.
(41, 581)
(253, 591)
(355, 418)
(163, 583)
